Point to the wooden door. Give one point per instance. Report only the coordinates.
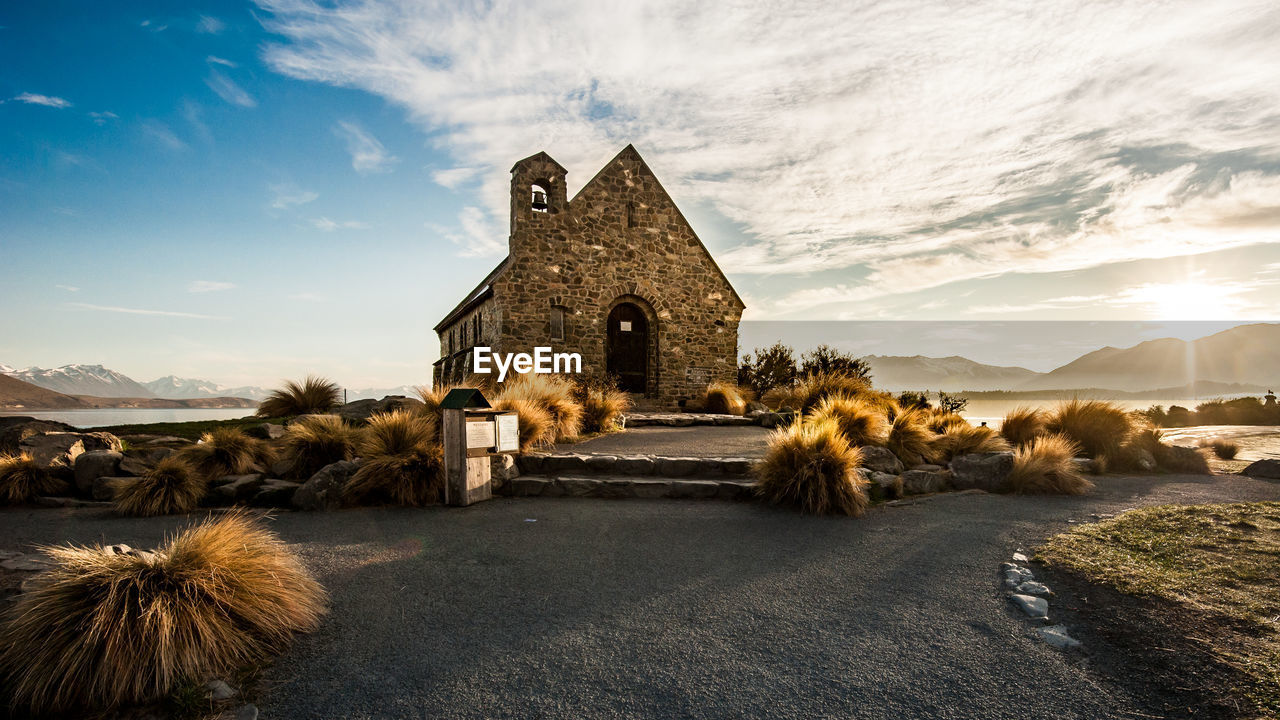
(627, 352)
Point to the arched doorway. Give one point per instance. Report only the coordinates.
(627, 349)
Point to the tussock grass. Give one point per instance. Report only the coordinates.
(861, 422)
(313, 395)
(603, 408)
(1170, 458)
(805, 395)
(403, 463)
(961, 439)
(102, 629)
(314, 441)
(22, 479)
(910, 438)
(431, 397)
(172, 486)
(1023, 424)
(939, 420)
(1045, 465)
(226, 451)
(1097, 426)
(555, 395)
(812, 466)
(724, 399)
(1224, 449)
(537, 428)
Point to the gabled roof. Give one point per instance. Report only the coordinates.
(543, 156)
(482, 292)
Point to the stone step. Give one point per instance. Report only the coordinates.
(624, 486)
(686, 420)
(634, 465)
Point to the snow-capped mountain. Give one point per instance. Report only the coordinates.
(5, 369)
(83, 380)
(172, 386)
(379, 393)
(252, 392)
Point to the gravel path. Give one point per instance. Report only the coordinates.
(694, 441)
(562, 608)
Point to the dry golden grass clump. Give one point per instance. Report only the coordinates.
(724, 399)
(318, 440)
(537, 428)
(403, 463)
(938, 420)
(603, 408)
(805, 395)
(22, 479)
(1046, 466)
(1224, 449)
(910, 438)
(1023, 424)
(105, 628)
(432, 396)
(1097, 426)
(172, 486)
(862, 423)
(811, 465)
(226, 451)
(962, 439)
(555, 395)
(313, 395)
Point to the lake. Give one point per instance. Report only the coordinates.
(98, 417)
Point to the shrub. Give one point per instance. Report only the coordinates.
(1046, 465)
(104, 628)
(952, 403)
(910, 438)
(1177, 459)
(315, 441)
(805, 395)
(555, 395)
(811, 465)
(1022, 425)
(22, 479)
(914, 400)
(1098, 427)
(826, 359)
(724, 399)
(172, 486)
(403, 463)
(313, 395)
(603, 408)
(1224, 449)
(860, 422)
(938, 420)
(396, 432)
(769, 368)
(961, 439)
(537, 428)
(225, 451)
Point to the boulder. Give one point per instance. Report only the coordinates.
(982, 471)
(364, 409)
(1146, 461)
(503, 468)
(60, 449)
(134, 466)
(104, 488)
(324, 490)
(16, 428)
(276, 493)
(1269, 469)
(920, 482)
(755, 407)
(884, 486)
(265, 431)
(95, 464)
(881, 460)
(238, 488)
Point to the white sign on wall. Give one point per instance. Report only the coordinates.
(480, 435)
(508, 427)
(625, 325)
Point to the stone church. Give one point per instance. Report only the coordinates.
(615, 274)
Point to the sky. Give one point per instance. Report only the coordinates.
(248, 191)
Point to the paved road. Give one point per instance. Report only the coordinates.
(670, 609)
(693, 441)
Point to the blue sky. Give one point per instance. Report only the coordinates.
(248, 191)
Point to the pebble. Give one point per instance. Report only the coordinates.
(1021, 557)
(1056, 635)
(1034, 607)
(1032, 587)
(219, 690)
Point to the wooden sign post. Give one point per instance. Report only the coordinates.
(473, 432)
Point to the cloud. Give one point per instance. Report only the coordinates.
(138, 311)
(204, 286)
(477, 234)
(162, 135)
(210, 25)
(288, 196)
(367, 154)
(453, 177)
(907, 142)
(327, 225)
(101, 118)
(45, 100)
(68, 288)
(215, 60)
(228, 90)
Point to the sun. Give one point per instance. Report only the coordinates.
(1186, 300)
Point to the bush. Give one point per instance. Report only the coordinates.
(603, 408)
(1098, 427)
(1167, 457)
(225, 451)
(314, 395)
(103, 629)
(914, 400)
(314, 441)
(724, 399)
(537, 428)
(22, 479)
(1224, 449)
(555, 395)
(805, 395)
(769, 368)
(952, 403)
(403, 463)
(963, 439)
(811, 465)
(1022, 425)
(910, 438)
(826, 359)
(860, 422)
(172, 486)
(938, 420)
(1046, 465)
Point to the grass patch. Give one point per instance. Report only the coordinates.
(1219, 560)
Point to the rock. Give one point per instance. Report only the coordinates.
(564, 464)
(776, 419)
(265, 431)
(280, 468)
(737, 466)
(104, 488)
(360, 410)
(219, 690)
(1056, 635)
(920, 482)
(579, 486)
(1031, 587)
(1021, 557)
(649, 489)
(27, 563)
(694, 489)
(324, 490)
(984, 471)
(1269, 469)
(528, 486)
(755, 407)
(16, 428)
(69, 502)
(634, 465)
(134, 466)
(238, 488)
(60, 449)
(244, 712)
(158, 454)
(601, 464)
(677, 466)
(276, 494)
(1146, 461)
(503, 469)
(881, 460)
(927, 467)
(94, 464)
(1015, 575)
(885, 486)
(1035, 608)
